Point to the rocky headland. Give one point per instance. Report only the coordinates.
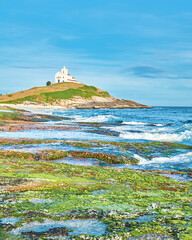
(96, 102)
(69, 96)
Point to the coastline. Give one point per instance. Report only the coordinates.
(31, 107)
(71, 168)
(52, 107)
(68, 95)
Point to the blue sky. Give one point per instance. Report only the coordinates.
(139, 50)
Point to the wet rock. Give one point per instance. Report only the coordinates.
(153, 206)
(93, 213)
(152, 236)
(57, 231)
(31, 214)
(10, 181)
(7, 226)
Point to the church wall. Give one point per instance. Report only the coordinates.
(63, 76)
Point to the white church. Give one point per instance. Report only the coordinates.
(64, 76)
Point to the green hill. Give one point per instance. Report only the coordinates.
(69, 95)
(50, 94)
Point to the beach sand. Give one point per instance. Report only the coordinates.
(31, 107)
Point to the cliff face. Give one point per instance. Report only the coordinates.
(98, 103)
(69, 95)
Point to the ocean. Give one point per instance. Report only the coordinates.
(164, 124)
(156, 124)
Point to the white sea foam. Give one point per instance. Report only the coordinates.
(143, 123)
(155, 136)
(142, 160)
(187, 157)
(152, 136)
(99, 119)
(126, 129)
(134, 123)
(123, 129)
(159, 125)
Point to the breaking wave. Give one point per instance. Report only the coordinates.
(158, 124)
(147, 124)
(100, 119)
(187, 157)
(170, 137)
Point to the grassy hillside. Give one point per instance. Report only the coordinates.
(51, 93)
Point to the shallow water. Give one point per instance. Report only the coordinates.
(84, 162)
(178, 177)
(179, 161)
(33, 148)
(90, 226)
(141, 219)
(10, 220)
(40, 201)
(95, 162)
(56, 134)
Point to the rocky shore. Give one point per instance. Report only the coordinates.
(110, 103)
(77, 189)
(95, 102)
(82, 103)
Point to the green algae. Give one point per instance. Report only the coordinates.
(10, 115)
(4, 141)
(156, 144)
(58, 154)
(126, 150)
(66, 192)
(127, 194)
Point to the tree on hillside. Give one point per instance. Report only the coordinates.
(48, 83)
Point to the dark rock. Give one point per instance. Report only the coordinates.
(57, 231)
(152, 236)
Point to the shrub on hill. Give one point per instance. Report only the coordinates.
(48, 83)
